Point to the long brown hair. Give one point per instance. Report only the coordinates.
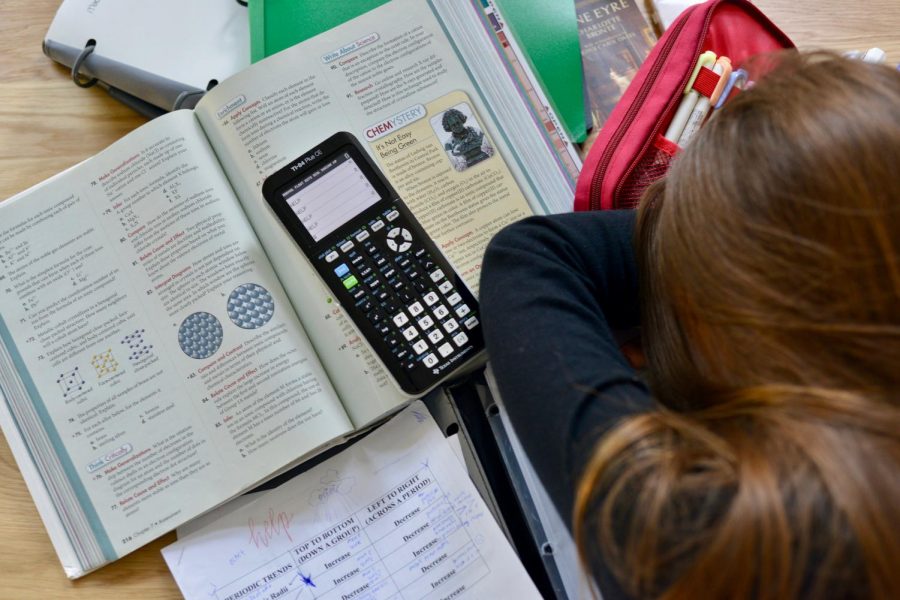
(769, 261)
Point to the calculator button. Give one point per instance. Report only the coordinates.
(389, 273)
(392, 215)
(380, 262)
(415, 309)
(400, 320)
(392, 244)
(403, 262)
(358, 293)
(376, 317)
(362, 235)
(377, 225)
(365, 272)
(341, 270)
(430, 360)
(356, 260)
(460, 339)
(462, 310)
(427, 264)
(404, 247)
(410, 333)
(441, 311)
(350, 282)
(347, 246)
(419, 253)
(445, 350)
(436, 275)
(395, 232)
(331, 256)
(430, 298)
(365, 305)
(420, 346)
(402, 354)
(454, 299)
(392, 342)
(445, 287)
(406, 235)
(389, 305)
(451, 326)
(425, 322)
(384, 329)
(435, 336)
(471, 322)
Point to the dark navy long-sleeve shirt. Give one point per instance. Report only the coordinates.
(553, 289)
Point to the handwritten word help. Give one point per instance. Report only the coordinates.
(273, 526)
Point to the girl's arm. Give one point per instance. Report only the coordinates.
(552, 289)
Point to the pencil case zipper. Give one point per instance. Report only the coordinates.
(634, 109)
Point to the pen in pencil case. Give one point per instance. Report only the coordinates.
(689, 98)
(722, 68)
(736, 81)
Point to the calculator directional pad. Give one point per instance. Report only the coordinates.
(399, 239)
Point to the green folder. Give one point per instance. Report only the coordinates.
(548, 32)
(545, 29)
(279, 24)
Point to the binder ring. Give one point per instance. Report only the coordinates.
(82, 81)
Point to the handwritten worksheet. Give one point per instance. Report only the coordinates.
(393, 517)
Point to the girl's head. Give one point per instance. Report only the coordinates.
(770, 271)
(771, 253)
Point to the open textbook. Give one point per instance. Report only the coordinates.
(165, 346)
(393, 516)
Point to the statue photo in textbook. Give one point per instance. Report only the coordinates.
(615, 39)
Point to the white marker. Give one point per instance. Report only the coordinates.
(701, 109)
(689, 99)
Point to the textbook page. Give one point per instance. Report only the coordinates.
(149, 354)
(394, 516)
(391, 78)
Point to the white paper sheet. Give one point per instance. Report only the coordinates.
(394, 516)
(241, 501)
(456, 448)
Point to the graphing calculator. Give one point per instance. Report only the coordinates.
(401, 293)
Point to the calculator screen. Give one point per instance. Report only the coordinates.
(330, 195)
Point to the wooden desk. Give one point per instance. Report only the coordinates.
(47, 125)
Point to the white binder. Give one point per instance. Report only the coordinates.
(162, 54)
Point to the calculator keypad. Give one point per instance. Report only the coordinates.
(414, 307)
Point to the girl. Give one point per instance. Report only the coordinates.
(762, 458)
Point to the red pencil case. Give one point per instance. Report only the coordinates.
(630, 152)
